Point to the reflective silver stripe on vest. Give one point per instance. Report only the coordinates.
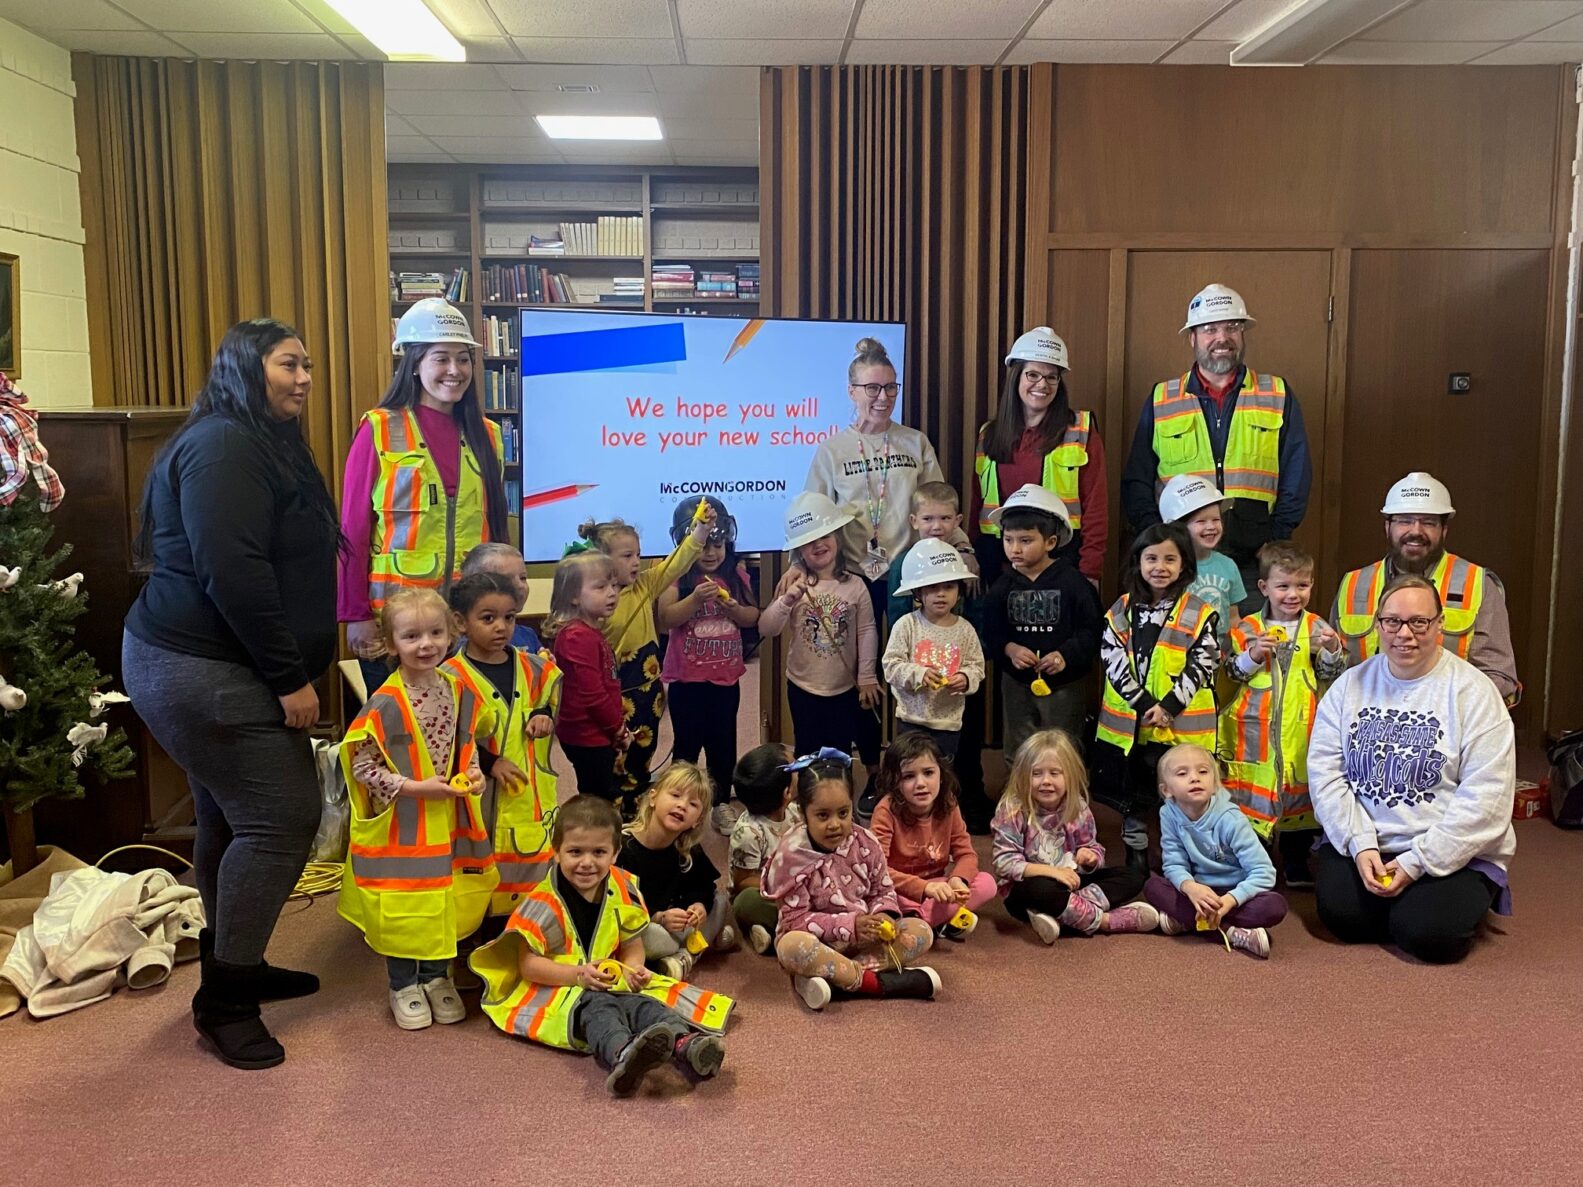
(398, 431)
(541, 913)
(525, 1011)
(1250, 729)
(524, 873)
(1112, 719)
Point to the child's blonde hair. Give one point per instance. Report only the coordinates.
(571, 575)
(1180, 748)
(687, 778)
(412, 600)
(603, 534)
(1019, 787)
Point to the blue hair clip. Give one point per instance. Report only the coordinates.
(826, 754)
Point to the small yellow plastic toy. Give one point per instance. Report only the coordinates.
(1385, 879)
(937, 679)
(1278, 633)
(460, 782)
(617, 974)
(887, 931)
(695, 942)
(1203, 924)
(701, 512)
(963, 918)
(1039, 688)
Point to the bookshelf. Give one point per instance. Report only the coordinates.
(695, 228)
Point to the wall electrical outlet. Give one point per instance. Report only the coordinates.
(1460, 383)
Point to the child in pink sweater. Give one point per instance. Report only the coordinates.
(919, 826)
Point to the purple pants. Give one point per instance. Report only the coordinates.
(1264, 909)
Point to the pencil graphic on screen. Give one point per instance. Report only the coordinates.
(744, 336)
(555, 494)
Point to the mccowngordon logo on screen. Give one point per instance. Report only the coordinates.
(740, 486)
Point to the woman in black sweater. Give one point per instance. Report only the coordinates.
(219, 655)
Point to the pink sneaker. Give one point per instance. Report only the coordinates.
(1255, 941)
(1137, 917)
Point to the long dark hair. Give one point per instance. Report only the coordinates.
(1004, 432)
(1132, 582)
(406, 389)
(236, 389)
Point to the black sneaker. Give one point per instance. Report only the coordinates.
(701, 1054)
(867, 802)
(648, 1049)
(1138, 859)
(920, 984)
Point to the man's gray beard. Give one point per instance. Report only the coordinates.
(1218, 366)
(1401, 564)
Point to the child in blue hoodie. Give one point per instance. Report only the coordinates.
(1217, 874)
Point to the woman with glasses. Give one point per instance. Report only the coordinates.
(1038, 438)
(1412, 766)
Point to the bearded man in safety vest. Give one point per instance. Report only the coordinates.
(1476, 627)
(1233, 426)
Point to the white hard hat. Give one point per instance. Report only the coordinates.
(1215, 303)
(1419, 494)
(433, 319)
(1032, 497)
(1184, 494)
(1040, 345)
(811, 515)
(931, 562)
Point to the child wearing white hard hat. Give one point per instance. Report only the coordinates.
(831, 683)
(1194, 502)
(1042, 620)
(933, 660)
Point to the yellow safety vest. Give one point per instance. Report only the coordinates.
(1461, 586)
(1264, 732)
(1060, 477)
(519, 823)
(1253, 446)
(543, 925)
(420, 533)
(419, 872)
(1196, 723)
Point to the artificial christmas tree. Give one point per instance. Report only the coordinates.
(50, 691)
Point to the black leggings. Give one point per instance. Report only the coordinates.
(596, 770)
(833, 721)
(1433, 919)
(1121, 884)
(704, 718)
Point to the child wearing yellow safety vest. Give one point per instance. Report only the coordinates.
(1160, 655)
(523, 692)
(420, 867)
(568, 972)
(1282, 659)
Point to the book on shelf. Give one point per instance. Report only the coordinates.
(546, 246)
(529, 283)
(500, 336)
(502, 390)
(414, 286)
(607, 235)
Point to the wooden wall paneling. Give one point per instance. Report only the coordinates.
(1325, 499)
(1115, 428)
(1039, 184)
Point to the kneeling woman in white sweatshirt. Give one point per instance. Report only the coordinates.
(1412, 765)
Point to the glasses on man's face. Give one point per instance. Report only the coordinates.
(1221, 329)
(874, 390)
(1419, 625)
(1415, 521)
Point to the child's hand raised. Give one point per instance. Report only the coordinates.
(870, 927)
(793, 587)
(702, 527)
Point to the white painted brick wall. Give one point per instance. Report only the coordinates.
(41, 215)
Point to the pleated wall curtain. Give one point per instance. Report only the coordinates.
(219, 191)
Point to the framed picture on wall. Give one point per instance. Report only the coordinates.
(10, 315)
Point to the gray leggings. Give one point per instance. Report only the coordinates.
(658, 942)
(254, 787)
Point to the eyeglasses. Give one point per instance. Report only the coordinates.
(1221, 327)
(1391, 625)
(1037, 379)
(875, 390)
(1415, 521)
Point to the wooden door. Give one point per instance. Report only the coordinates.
(1288, 292)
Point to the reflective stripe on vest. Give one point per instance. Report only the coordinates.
(1196, 723)
(544, 1013)
(1062, 466)
(1264, 733)
(1461, 586)
(421, 533)
(1252, 464)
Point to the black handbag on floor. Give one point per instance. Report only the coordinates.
(1566, 779)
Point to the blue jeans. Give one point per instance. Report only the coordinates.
(404, 972)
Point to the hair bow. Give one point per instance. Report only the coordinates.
(575, 547)
(826, 754)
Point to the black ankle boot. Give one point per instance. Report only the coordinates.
(919, 983)
(225, 1011)
(1138, 859)
(274, 984)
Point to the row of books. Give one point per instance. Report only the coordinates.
(748, 281)
(513, 497)
(499, 335)
(510, 442)
(502, 389)
(414, 286)
(529, 282)
(675, 281)
(610, 235)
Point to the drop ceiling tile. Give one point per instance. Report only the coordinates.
(1406, 53)
(1244, 19)
(706, 104)
(396, 126)
(613, 103)
(470, 103)
(682, 80)
(1201, 53)
(53, 15)
(475, 125)
(133, 43)
(1533, 53)
(1098, 20)
(610, 154)
(618, 50)
(744, 52)
(540, 156)
(286, 47)
(1567, 30)
(462, 145)
(936, 20)
(490, 49)
(416, 156)
(924, 53)
(542, 77)
(440, 76)
(715, 152)
(1044, 50)
(417, 144)
(222, 16)
(584, 18)
(716, 20)
(743, 126)
(465, 18)
(1471, 20)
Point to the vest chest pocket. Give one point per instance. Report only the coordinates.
(423, 565)
(1178, 447)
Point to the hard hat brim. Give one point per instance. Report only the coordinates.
(1216, 498)
(458, 341)
(935, 579)
(808, 537)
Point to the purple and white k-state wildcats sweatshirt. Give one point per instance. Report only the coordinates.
(1423, 770)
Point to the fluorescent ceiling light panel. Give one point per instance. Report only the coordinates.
(600, 127)
(1310, 30)
(403, 30)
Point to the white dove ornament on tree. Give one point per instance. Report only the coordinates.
(82, 735)
(12, 698)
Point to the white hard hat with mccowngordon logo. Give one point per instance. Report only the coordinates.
(1184, 494)
(433, 319)
(1216, 303)
(1419, 494)
(811, 515)
(1039, 345)
(931, 562)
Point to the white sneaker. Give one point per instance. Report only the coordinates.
(814, 991)
(1255, 941)
(723, 817)
(675, 967)
(1044, 926)
(759, 938)
(444, 1002)
(411, 1008)
(1169, 926)
(727, 940)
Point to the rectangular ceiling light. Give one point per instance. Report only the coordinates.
(403, 30)
(600, 127)
(1310, 30)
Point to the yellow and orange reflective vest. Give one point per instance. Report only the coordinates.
(1461, 586)
(519, 822)
(420, 533)
(419, 872)
(1118, 720)
(1253, 444)
(542, 925)
(1062, 467)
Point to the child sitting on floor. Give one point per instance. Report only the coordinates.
(763, 787)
